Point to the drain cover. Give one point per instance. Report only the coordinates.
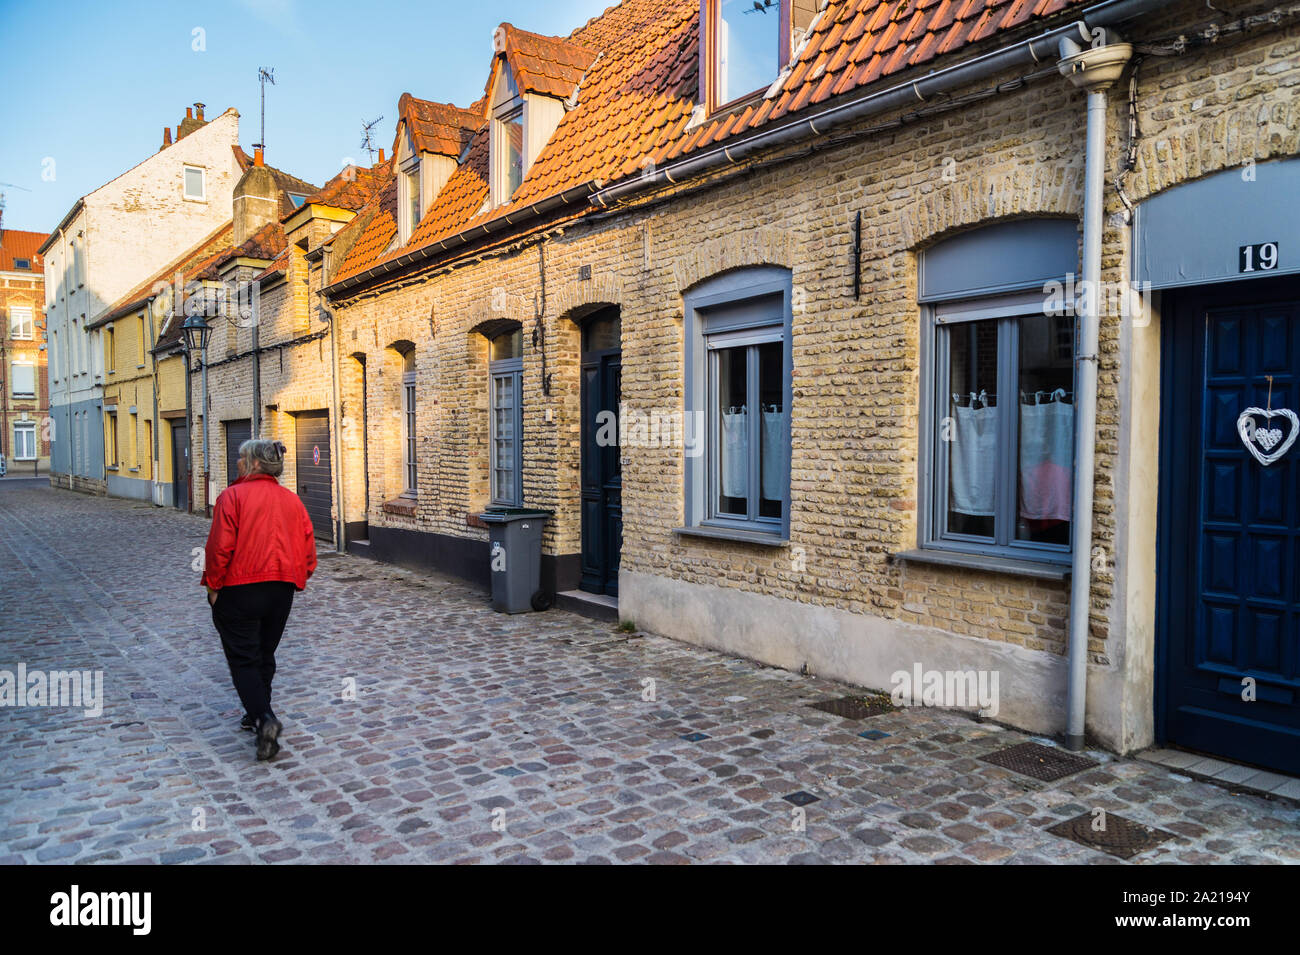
(1110, 833)
(855, 707)
(1039, 761)
(801, 798)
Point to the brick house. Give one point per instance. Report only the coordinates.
(25, 400)
(270, 365)
(151, 417)
(864, 287)
(111, 240)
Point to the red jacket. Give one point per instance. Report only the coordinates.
(260, 532)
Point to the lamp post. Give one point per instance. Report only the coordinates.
(197, 332)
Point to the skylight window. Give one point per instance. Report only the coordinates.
(747, 42)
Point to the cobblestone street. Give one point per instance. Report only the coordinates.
(476, 737)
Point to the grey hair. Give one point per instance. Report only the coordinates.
(266, 457)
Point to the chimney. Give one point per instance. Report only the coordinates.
(198, 112)
(256, 199)
(189, 112)
(381, 155)
(167, 136)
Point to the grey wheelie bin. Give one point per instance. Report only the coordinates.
(515, 536)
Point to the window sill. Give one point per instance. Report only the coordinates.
(403, 506)
(998, 565)
(728, 534)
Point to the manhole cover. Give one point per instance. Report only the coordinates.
(856, 707)
(1039, 761)
(1107, 832)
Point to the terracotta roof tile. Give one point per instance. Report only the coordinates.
(16, 244)
(439, 128)
(638, 64)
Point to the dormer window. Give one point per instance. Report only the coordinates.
(507, 138)
(746, 45)
(410, 198)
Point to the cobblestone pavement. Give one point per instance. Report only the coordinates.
(476, 737)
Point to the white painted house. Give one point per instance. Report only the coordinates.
(111, 240)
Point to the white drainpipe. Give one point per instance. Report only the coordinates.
(1094, 69)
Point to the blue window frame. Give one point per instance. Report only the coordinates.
(737, 403)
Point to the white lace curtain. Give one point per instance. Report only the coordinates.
(772, 457)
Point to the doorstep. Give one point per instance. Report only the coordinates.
(592, 606)
(1238, 776)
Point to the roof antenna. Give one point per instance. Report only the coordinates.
(264, 76)
(367, 137)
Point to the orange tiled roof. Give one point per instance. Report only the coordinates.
(636, 100)
(439, 128)
(543, 64)
(16, 244)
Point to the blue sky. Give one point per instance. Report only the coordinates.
(91, 85)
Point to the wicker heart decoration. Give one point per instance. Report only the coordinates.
(1261, 440)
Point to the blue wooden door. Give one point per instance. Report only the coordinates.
(1229, 618)
(602, 476)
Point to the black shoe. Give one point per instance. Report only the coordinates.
(248, 723)
(268, 731)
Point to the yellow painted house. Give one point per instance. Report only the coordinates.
(146, 446)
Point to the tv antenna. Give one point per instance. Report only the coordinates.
(367, 137)
(264, 76)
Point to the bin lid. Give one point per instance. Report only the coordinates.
(508, 515)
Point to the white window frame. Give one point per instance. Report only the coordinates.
(185, 183)
(22, 329)
(510, 105)
(28, 429)
(13, 380)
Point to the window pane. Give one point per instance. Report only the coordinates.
(602, 334)
(1045, 476)
(732, 462)
(508, 345)
(513, 134)
(194, 183)
(504, 396)
(413, 197)
(774, 431)
(971, 428)
(24, 379)
(748, 46)
(20, 322)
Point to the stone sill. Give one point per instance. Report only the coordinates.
(728, 534)
(404, 506)
(997, 565)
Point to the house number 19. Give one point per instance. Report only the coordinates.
(1257, 258)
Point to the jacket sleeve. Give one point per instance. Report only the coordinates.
(309, 543)
(221, 542)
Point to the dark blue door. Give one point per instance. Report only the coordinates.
(1229, 618)
(602, 478)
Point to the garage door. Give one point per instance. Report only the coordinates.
(312, 462)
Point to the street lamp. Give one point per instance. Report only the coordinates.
(197, 332)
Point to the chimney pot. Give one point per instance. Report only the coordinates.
(381, 155)
(189, 112)
(258, 156)
(167, 136)
(198, 111)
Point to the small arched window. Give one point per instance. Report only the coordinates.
(506, 382)
(408, 418)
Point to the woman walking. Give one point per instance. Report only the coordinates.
(261, 549)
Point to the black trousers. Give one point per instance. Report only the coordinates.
(251, 619)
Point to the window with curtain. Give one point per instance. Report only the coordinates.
(505, 373)
(1004, 429)
(738, 403)
(25, 441)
